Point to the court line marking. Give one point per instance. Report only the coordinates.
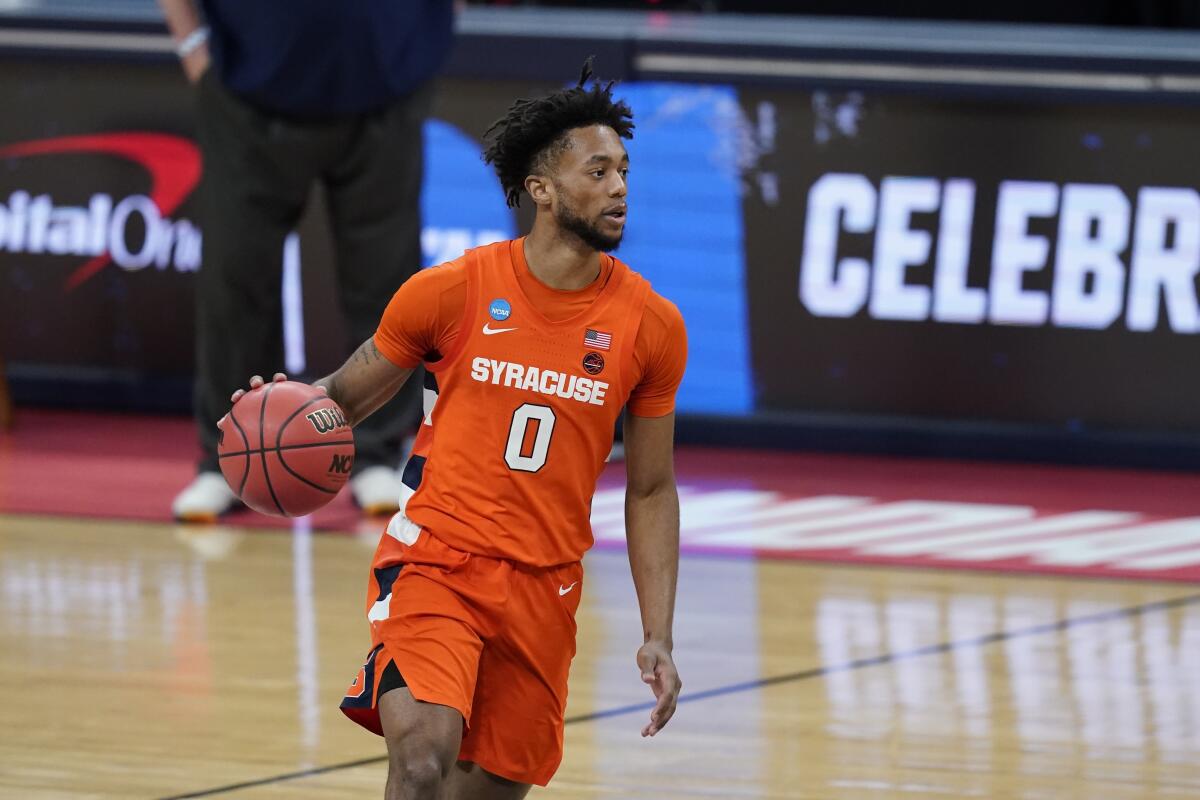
(734, 688)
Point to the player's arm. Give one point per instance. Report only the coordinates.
(360, 386)
(651, 499)
(652, 530)
(408, 330)
(364, 383)
(414, 324)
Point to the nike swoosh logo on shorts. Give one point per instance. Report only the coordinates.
(489, 331)
(564, 590)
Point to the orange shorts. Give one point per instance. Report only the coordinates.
(488, 637)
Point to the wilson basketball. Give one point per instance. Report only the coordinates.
(285, 448)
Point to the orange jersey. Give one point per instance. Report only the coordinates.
(523, 390)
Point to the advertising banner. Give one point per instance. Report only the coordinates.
(100, 245)
(832, 252)
(981, 261)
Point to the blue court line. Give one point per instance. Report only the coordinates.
(892, 658)
(745, 686)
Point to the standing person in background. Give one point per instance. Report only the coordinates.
(292, 92)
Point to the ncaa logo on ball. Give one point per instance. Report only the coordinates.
(500, 309)
(593, 363)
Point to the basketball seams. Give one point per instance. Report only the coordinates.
(279, 446)
(318, 487)
(304, 470)
(255, 451)
(297, 412)
(245, 440)
(262, 443)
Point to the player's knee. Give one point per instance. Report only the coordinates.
(419, 773)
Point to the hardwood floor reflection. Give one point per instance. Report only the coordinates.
(145, 661)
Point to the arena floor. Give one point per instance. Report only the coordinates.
(846, 628)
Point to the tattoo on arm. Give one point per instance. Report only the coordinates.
(367, 353)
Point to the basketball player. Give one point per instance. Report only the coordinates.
(532, 348)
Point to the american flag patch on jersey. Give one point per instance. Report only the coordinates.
(597, 340)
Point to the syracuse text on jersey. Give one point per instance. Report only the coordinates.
(542, 381)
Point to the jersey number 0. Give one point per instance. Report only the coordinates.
(535, 458)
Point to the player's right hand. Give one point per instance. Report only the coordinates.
(256, 382)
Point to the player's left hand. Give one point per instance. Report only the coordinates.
(255, 382)
(658, 671)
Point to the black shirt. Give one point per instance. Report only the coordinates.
(318, 58)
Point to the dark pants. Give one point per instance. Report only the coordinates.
(258, 172)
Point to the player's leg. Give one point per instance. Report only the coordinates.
(417, 686)
(422, 743)
(469, 781)
(374, 206)
(520, 697)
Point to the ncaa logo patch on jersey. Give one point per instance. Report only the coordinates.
(500, 309)
(593, 363)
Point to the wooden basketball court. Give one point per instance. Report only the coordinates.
(145, 660)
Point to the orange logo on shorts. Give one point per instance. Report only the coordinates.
(359, 685)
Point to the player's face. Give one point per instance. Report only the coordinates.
(591, 186)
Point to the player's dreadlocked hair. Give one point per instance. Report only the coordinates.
(532, 132)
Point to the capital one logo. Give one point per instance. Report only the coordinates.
(102, 230)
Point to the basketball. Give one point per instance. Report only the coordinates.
(285, 448)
